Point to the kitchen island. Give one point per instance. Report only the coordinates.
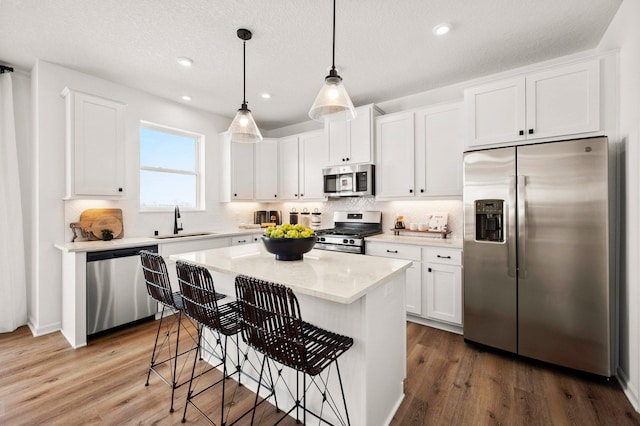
(359, 296)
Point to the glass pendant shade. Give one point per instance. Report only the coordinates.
(333, 102)
(243, 128)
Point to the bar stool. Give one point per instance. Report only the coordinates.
(159, 288)
(272, 325)
(200, 302)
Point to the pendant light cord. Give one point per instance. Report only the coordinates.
(333, 57)
(244, 72)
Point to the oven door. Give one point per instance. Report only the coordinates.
(343, 248)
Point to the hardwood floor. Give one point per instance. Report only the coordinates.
(44, 381)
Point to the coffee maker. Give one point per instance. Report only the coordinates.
(267, 216)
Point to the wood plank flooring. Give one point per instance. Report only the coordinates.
(44, 381)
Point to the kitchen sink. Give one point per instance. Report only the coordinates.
(192, 234)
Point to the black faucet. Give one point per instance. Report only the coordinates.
(176, 216)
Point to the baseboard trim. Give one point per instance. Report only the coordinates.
(435, 324)
(630, 391)
(40, 331)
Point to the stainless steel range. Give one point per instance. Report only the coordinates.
(350, 229)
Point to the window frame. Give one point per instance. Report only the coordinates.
(199, 172)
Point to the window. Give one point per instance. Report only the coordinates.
(170, 168)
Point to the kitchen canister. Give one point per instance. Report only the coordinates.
(305, 218)
(316, 220)
(293, 217)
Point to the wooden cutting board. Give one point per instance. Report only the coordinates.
(105, 218)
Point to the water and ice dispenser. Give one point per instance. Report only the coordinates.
(490, 220)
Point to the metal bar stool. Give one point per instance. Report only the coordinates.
(272, 324)
(200, 302)
(159, 288)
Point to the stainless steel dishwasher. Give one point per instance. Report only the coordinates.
(116, 290)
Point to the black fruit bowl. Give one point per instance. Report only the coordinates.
(288, 248)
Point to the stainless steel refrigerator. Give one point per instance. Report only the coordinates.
(536, 252)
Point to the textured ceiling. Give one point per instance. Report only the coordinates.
(384, 49)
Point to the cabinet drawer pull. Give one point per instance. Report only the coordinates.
(392, 251)
(429, 269)
(242, 241)
(530, 131)
(521, 132)
(444, 257)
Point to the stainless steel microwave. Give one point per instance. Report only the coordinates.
(349, 181)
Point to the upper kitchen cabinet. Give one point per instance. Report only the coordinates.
(95, 145)
(237, 170)
(266, 173)
(395, 152)
(351, 142)
(302, 158)
(557, 102)
(312, 158)
(439, 145)
(419, 153)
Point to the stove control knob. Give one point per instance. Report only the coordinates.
(345, 241)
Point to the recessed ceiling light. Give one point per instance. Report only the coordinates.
(184, 61)
(265, 95)
(186, 97)
(441, 29)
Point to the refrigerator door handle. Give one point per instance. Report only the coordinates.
(522, 227)
(511, 228)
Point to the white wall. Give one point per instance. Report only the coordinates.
(51, 215)
(624, 34)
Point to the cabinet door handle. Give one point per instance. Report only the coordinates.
(119, 189)
(444, 257)
(275, 195)
(392, 251)
(235, 195)
(242, 241)
(344, 159)
(302, 195)
(521, 132)
(347, 158)
(429, 269)
(411, 191)
(422, 190)
(530, 131)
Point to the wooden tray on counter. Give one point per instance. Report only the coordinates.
(435, 234)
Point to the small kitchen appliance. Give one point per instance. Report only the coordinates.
(267, 216)
(349, 181)
(349, 232)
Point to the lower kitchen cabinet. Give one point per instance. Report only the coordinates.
(443, 284)
(170, 248)
(434, 282)
(414, 273)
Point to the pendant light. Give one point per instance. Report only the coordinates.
(243, 128)
(333, 102)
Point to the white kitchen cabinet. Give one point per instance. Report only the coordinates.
(237, 170)
(395, 152)
(443, 279)
(413, 275)
(312, 159)
(556, 102)
(266, 173)
(302, 158)
(173, 247)
(351, 142)
(439, 143)
(245, 239)
(94, 145)
(289, 168)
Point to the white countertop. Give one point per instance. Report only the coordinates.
(421, 241)
(339, 277)
(88, 246)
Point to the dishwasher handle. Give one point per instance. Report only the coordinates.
(118, 253)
